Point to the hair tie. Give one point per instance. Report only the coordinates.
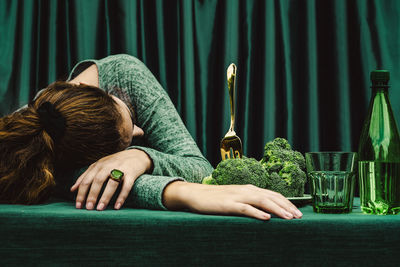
(52, 120)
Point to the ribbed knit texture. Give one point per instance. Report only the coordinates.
(173, 151)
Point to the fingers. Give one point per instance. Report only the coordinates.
(126, 189)
(80, 178)
(91, 185)
(287, 205)
(273, 207)
(250, 211)
(95, 188)
(83, 189)
(278, 201)
(269, 201)
(109, 191)
(92, 180)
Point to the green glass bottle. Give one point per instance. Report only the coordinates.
(379, 152)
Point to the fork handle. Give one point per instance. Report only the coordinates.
(231, 75)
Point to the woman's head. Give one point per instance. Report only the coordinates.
(92, 122)
(65, 126)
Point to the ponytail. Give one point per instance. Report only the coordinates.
(27, 158)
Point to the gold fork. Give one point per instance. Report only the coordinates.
(231, 146)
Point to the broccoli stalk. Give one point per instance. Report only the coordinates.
(209, 180)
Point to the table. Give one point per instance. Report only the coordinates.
(57, 233)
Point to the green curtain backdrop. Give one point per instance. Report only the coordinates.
(303, 65)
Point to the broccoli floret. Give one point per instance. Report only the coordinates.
(275, 145)
(289, 184)
(288, 171)
(240, 171)
(286, 168)
(277, 184)
(281, 148)
(209, 180)
(273, 164)
(299, 159)
(295, 179)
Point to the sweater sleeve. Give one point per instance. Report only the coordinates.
(168, 143)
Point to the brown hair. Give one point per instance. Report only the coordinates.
(29, 154)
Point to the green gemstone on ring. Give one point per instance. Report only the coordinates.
(116, 174)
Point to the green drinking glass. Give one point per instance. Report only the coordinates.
(331, 177)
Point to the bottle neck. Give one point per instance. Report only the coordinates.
(381, 87)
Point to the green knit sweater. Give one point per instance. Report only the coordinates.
(173, 151)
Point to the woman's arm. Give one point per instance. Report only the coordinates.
(244, 200)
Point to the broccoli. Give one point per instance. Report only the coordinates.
(281, 169)
(209, 180)
(289, 181)
(239, 171)
(285, 168)
(280, 148)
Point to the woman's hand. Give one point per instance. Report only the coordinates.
(132, 163)
(245, 200)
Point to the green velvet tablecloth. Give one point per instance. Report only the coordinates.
(58, 234)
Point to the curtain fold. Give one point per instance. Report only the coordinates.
(311, 48)
(303, 66)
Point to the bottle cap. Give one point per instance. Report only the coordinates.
(380, 75)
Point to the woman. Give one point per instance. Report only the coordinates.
(137, 146)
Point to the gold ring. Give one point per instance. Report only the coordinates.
(116, 175)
